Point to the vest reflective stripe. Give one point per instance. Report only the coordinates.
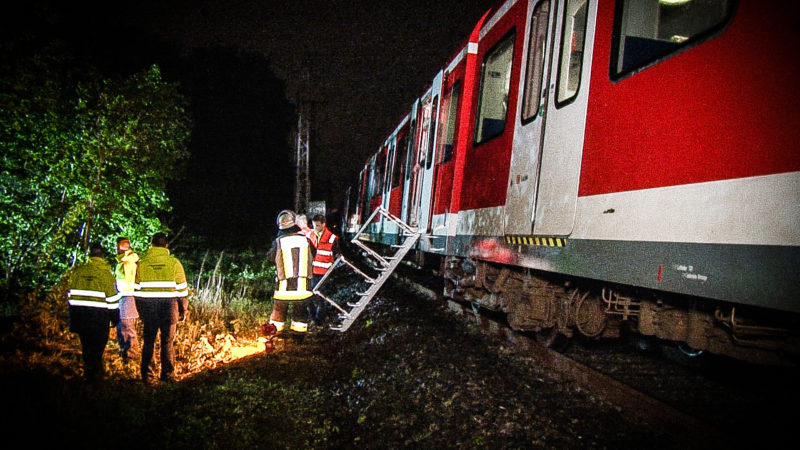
(325, 266)
(292, 289)
(278, 325)
(93, 304)
(96, 299)
(300, 327)
(85, 293)
(325, 252)
(161, 289)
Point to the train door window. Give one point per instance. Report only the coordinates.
(433, 121)
(448, 128)
(571, 56)
(495, 83)
(372, 186)
(399, 160)
(651, 31)
(410, 151)
(380, 164)
(535, 67)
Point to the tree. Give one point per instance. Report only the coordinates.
(83, 158)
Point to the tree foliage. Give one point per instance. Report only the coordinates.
(84, 158)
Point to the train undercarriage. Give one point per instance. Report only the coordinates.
(555, 308)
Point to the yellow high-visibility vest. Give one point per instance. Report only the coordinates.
(293, 267)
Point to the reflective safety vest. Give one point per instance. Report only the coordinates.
(160, 275)
(92, 285)
(323, 259)
(125, 272)
(292, 267)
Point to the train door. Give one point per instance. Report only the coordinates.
(445, 149)
(416, 170)
(363, 199)
(529, 134)
(398, 164)
(562, 149)
(428, 149)
(391, 192)
(543, 190)
(381, 164)
(409, 179)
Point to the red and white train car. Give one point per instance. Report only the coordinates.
(592, 165)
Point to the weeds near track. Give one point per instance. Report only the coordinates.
(230, 297)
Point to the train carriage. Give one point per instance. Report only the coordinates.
(597, 165)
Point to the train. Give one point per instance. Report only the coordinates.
(607, 167)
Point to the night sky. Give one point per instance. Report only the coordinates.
(245, 64)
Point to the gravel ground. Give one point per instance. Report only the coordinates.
(418, 376)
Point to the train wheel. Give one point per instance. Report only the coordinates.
(553, 339)
(689, 351)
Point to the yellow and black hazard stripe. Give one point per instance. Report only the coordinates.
(542, 241)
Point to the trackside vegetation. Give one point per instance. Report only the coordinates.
(82, 158)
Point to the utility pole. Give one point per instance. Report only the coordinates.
(303, 187)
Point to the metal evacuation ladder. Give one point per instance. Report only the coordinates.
(386, 265)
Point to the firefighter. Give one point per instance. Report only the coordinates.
(125, 273)
(93, 303)
(292, 254)
(161, 298)
(327, 248)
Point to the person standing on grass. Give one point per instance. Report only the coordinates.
(93, 303)
(125, 273)
(292, 254)
(161, 297)
(327, 249)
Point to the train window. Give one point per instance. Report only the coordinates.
(448, 133)
(495, 82)
(571, 56)
(648, 32)
(535, 66)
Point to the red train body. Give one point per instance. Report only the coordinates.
(595, 165)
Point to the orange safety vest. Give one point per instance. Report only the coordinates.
(323, 259)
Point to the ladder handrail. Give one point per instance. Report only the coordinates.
(389, 265)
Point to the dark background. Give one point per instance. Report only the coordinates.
(245, 66)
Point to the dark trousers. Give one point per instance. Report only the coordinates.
(317, 306)
(299, 313)
(158, 314)
(92, 327)
(93, 344)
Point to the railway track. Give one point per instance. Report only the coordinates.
(644, 407)
(705, 402)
